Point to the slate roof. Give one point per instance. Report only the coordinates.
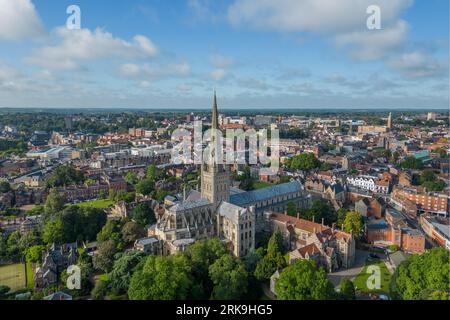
(246, 198)
(186, 205)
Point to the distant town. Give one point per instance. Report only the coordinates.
(358, 207)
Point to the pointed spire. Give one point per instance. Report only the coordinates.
(215, 115)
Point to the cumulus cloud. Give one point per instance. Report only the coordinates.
(220, 61)
(374, 44)
(75, 46)
(218, 74)
(19, 20)
(418, 64)
(132, 70)
(324, 16)
(344, 21)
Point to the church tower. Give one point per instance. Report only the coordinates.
(215, 176)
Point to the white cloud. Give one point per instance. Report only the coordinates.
(19, 20)
(324, 16)
(374, 44)
(131, 70)
(76, 46)
(220, 61)
(418, 64)
(218, 74)
(343, 21)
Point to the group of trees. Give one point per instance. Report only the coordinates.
(303, 161)
(412, 163)
(65, 175)
(429, 181)
(318, 211)
(423, 276)
(74, 223)
(206, 270)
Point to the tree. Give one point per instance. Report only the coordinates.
(161, 278)
(27, 240)
(246, 180)
(12, 245)
(201, 255)
(4, 290)
(429, 181)
(34, 253)
(304, 280)
(120, 275)
(347, 289)
(74, 224)
(65, 175)
(131, 178)
(304, 161)
(53, 232)
(420, 272)
(145, 187)
(291, 209)
(443, 153)
(55, 203)
(5, 187)
(112, 230)
(273, 259)
(229, 278)
(318, 211)
(152, 173)
(341, 214)
(131, 231)
(412, 163)
(104, 257)
(353, 223)
(143, 214)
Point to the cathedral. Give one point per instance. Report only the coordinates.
(219, 210)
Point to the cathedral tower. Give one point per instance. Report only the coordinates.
(215, 176)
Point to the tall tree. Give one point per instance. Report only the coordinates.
(303, 280)
(161, 278)
(422, 272)
(347, 289)
(273, 259)
(229, 278)
(353, 223)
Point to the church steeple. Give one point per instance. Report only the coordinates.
(215, 114)
(215, 177)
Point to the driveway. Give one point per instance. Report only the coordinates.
(360, 259)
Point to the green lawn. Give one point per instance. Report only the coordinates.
(261, 184)
(13, 276)
(360, 281)
(98, 204)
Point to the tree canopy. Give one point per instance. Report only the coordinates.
(161, 278)
(429, 271)
(304, 280)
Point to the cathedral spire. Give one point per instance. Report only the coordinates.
(215, 115)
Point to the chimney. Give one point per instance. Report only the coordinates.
(285, 212)
(323, 222)
(314, 218)
(298, 215)
(333, 226)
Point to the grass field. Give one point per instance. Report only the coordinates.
(13, 276)
(98, 204)
(261, 184)
(385, 276)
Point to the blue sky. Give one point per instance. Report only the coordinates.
(256, 53)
